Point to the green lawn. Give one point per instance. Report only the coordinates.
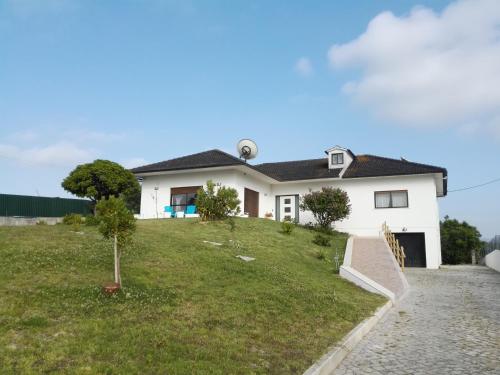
(186, 307)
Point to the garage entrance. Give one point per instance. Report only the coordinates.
(251, 204)
(414, 245)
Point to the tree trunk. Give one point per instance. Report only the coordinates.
(117, 261)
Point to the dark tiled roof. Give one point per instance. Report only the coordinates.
(375, 166)
(207, 159)
(299, 170)
(362, 166)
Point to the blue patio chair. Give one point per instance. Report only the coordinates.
(171, 210)
(191, 210)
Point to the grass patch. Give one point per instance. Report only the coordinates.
(186, 306)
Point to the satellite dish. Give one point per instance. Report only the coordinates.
(247, 149)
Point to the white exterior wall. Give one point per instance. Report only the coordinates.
(167, 181)
(422, 215)
(266, 200)
(230, 178)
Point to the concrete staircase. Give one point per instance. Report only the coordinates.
(370, 263)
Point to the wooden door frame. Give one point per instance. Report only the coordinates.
(254, 194)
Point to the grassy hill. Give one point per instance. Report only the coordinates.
(186, 306)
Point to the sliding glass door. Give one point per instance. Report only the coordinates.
(182, 197)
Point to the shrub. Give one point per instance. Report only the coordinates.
(327, 206)
(73, 219)
(217, 205)
(322, 240)
(287, 227)
(91, 220)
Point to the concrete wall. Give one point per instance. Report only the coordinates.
(21, 221)
(492, 260)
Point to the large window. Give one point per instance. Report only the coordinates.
(182, 197)
(338, 158)
(391, 199)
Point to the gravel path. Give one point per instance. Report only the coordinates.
(449, 323)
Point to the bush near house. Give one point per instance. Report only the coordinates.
(327, 205)
(287, 227)
(458, 240)
(186, 307)
(217, 203)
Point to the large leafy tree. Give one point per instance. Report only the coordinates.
(102, 179)
(458, 241)
(116, 222)
(327, 205)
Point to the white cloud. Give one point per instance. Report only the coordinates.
(57, 154)
(303, 66)
(430, 69)
(134, 162)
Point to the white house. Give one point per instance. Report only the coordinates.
(401, 193)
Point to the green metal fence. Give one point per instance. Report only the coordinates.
(29, 206)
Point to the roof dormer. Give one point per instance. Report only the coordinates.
(339, 158)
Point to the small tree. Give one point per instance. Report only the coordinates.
(458, 241)
(117, 223)
(327, 206)
(102, 179)
(217, 205)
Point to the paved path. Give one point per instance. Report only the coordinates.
(373, 258)
(449, 323)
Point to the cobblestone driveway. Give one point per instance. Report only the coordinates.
(449, 323)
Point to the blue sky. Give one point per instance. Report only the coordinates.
(143, 81)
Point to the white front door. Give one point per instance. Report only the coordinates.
(287, 208)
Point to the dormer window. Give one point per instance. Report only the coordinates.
(338, 158)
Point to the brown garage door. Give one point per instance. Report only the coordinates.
(251, 205)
